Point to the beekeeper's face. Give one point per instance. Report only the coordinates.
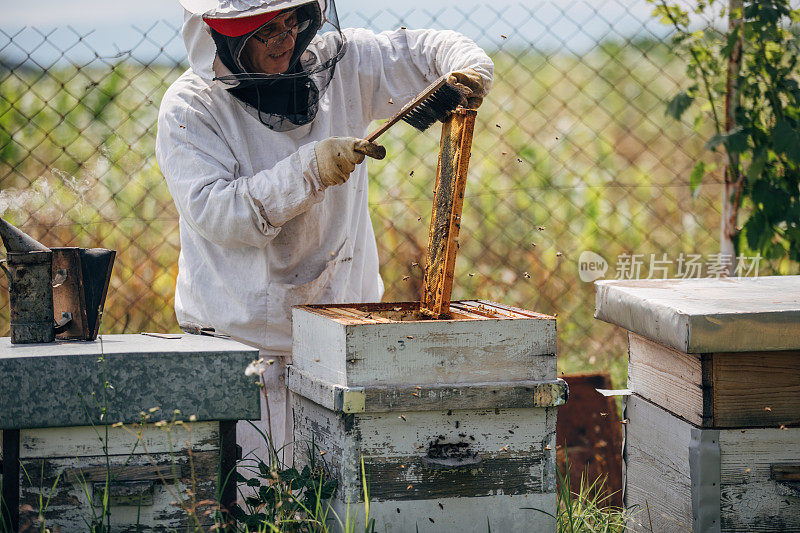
(270, 49)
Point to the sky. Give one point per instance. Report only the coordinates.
(78, 12)
(118, 26)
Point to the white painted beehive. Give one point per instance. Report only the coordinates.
(454, 419)
(712, 442)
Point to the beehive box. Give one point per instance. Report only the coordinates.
(54, 435)
(454, 419)
(712, 439)
(68, 467)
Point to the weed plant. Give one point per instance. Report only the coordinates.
(585, 509)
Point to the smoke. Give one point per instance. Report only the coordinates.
(45, 195)
(25, 199)
(78, 186)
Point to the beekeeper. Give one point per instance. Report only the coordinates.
(260, 144)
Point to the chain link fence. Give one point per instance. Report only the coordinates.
(572, 152)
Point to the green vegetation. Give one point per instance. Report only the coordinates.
(747, 78)
(570, 154)
(586, 508)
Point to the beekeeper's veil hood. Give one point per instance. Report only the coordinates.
(281, 101)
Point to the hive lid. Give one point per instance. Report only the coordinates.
(57, 384)
(706, 315)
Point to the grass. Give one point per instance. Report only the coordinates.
(587, 509)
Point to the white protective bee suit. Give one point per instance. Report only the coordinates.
(259, 231)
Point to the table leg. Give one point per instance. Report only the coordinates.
(9, 510)
(229, 454)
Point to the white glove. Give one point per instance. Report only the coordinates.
(337, 157)
(470, 83)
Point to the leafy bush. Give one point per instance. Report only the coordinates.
(283, 498)
(746, 79)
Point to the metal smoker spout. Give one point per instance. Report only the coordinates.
(16, 240)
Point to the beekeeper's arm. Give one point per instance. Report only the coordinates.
(200, 170)
(394, 66)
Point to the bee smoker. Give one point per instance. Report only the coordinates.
(54, 293)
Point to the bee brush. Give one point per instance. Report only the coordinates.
(434, 103)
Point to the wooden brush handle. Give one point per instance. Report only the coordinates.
(372, 150)
(406, 108)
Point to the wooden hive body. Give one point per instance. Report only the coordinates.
(712, 439)
(695, 479)
(718, 389)
(454, 419)
(68, 466)
(54, 431)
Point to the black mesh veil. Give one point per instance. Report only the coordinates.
(285, 101)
